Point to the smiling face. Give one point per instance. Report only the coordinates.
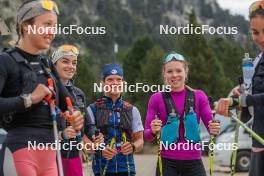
(44, 34)
(113, 85)
(66, 68)
(175, 74)
(257, 31)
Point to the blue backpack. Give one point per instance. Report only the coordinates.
(170, 131)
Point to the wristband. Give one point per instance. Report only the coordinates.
(234, 101)
(242, 100)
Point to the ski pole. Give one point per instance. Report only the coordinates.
(158, 142)
(96, 134)
(111, 146)
(249, 130)
(125, 140)
(212, 140)
(52, 105)
(234, 152)
(70, 118)
(211, 153)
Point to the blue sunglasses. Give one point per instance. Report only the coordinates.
(176, 56)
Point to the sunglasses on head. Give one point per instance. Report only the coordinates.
(69, 48)
(49, 5)
(176, 56)
(255, 6)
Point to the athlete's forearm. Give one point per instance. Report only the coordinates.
(138, 141)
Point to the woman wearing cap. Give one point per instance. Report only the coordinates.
(120, 123)
(256, 99)
(175, 116)
(25, 98)
(65, 61)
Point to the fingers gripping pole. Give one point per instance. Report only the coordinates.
(54, 122)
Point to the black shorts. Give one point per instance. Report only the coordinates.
(171, 167)
(257, 164)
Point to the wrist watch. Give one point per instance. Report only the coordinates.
(27, 100)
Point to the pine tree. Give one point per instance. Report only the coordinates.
(206, 72)
(85, 80)
(133, 61)
(151, 75)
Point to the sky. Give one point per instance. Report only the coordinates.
(236, 6)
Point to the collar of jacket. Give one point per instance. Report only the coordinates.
(109, 102)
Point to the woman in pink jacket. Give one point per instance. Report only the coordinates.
(175, 116)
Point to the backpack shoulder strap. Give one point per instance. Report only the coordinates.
(16, 56)
(46, 64)
(189, 100)
(169, 103)
(127, 106)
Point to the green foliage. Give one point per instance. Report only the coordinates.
(206, 72)
(85, 79)
(151, 75)
(229, 55)
(143, 64)
(135, 58)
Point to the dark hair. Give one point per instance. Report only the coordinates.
(258, 12)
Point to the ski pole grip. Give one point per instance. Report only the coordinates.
(69, 105)
(51, 88)
(50, 83)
